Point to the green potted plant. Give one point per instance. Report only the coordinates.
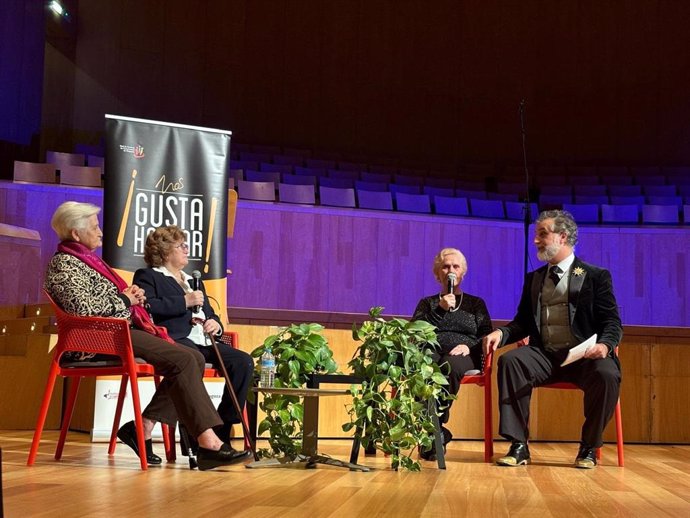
(400, 377)
(300, 350)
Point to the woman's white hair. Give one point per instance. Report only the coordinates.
(438, 262)
(72, 215)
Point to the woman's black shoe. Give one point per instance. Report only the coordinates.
(209, 459)
(128, 435)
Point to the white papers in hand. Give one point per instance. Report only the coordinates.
(579, 351)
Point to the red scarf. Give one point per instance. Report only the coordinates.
(140, 317)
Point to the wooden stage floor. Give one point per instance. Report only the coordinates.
(87, 483)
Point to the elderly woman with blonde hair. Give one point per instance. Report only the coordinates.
(461, 321)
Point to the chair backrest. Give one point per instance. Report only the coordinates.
(260, 191)
(34, 172)
(590, 190)
(244, 164)
(60, 159)
(625, 190)
(262, 176)
(664, 200)
(343, 174)
(292, 160)
(557, 190)
(471, 194)
(487, 208)
(309, 171)
(516, 210)
(298, 179)
(409, 189)
(377, 200)
(92, 334)
(295, 193)
(95, 161)
(591, 199)
(432, 190)
(275, 168)
(583, 213)
(620, 213)
(412, 202)
(336, 196)
(80, 175)
(668, 214)
(340, 183)
(375, 177)
(554, 200)
(627, 200)
(451, 206)
(659, 190)
(361, 185)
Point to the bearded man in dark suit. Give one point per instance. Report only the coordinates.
(563, 303)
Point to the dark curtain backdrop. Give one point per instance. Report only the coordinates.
(437, 82)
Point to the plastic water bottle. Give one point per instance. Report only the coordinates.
(268, 369)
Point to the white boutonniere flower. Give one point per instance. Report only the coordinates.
(578, 271)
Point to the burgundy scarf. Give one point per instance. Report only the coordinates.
(140, 317)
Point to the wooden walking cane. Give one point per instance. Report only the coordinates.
(233, 396)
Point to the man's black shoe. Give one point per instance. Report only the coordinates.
(128, 435)
(209, 459)
(516, 456)
(586, 457)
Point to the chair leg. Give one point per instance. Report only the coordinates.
(42, 414)
(138, 421)
(488, 422)
(118, 414)
(619, 434)
(168, 444)
(438, 439)
(67, 416)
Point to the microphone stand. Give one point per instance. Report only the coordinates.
(527, 209)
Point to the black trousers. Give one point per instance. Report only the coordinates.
(525, 368)
(240, 367)
(454, 369)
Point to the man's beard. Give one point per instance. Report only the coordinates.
(549, 252)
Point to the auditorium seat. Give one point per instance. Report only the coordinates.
(620, 213)
(260, 191)
(556, 190)
(295, 193)
(451, 206)
(244, 164)
(471, 194)
(80, 175)
(321, 163)
(686, 214)
(346, 175)
(292, 160)
(585, 179)
(254, 156)
(340, 183)
(297, 179)
(337, 196)
(615, 180)
(404, 179)
(95, 161)
(390, 170)
(309, 171)
(554, 201)
(59, 159)
(444, 183)
(236, 175)
(375, 177)
(351, 166)
(438, 191)
(409, 189)
(664, 200)
(487, 209)
(650, 180)
(361, 185)
(668, 214)
(503, 196)
(377, 200)
(591, 200)
(590, 190)
(412, 202)
(252, 175)
(291, 151)
(266, 149)
(515, 210)
(624, 190)
(626, 200)
(659, 190)
(34, 172)
(583, 213)
(275, 168)
(613, 170)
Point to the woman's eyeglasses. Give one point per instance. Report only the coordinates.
(183, 246)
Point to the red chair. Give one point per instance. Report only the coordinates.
(230, 338)
(483, 379)
(617, 412)
(109, 336)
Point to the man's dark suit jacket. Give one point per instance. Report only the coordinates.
(167, 305)
(592, 307)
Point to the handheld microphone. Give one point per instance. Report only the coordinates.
(195, 284)
(451, 282)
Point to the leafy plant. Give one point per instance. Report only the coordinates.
(299, 350)
(401, 379)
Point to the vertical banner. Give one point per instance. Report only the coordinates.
(158, 174)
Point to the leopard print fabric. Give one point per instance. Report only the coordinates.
(81, 290)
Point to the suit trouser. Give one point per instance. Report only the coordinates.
(525, 368)
(240, 367)
(182, 392)
(454, 369)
